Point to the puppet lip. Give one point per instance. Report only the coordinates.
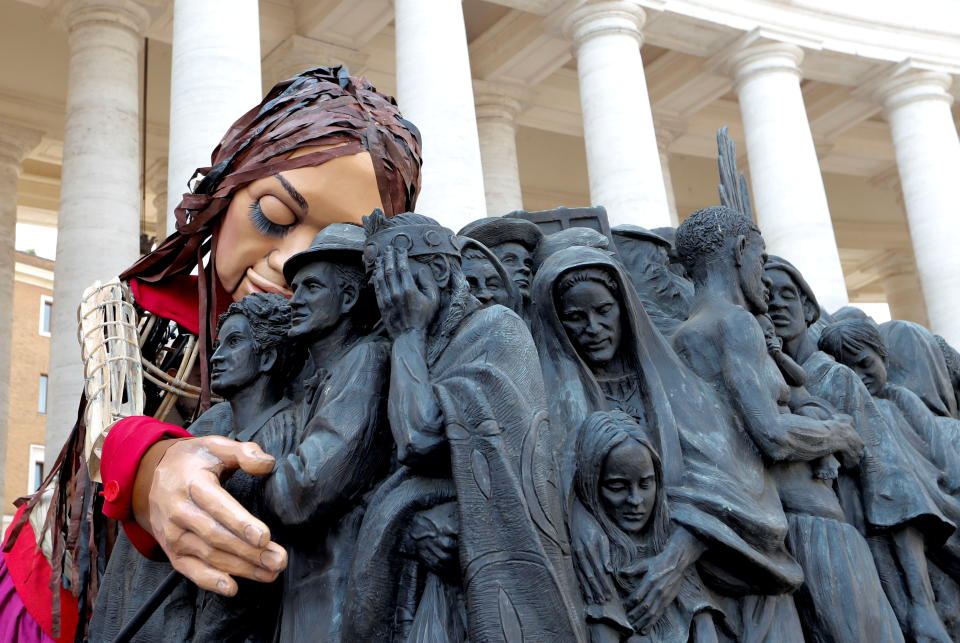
(259, 283)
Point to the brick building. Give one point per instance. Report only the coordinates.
(22, 464)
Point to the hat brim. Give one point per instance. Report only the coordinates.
(494, 231)
(640, 234)
(338, 254)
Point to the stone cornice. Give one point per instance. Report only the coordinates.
(667, 128)
(893, 263)
(850, 34)
(16, 143)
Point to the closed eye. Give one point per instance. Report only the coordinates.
(264, 225)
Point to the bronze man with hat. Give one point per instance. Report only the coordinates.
(344, 444)
(514, 242)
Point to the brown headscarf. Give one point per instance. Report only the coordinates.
(320, 106)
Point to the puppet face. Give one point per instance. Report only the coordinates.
(518, 262)
(591, 316)
(236, 360)
(753, 280)
(319, 300)
(786, 305)
(628, 486)
(870, 368)
(275, 217)
(484, 280)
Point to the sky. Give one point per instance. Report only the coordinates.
(880, 312)
(42, 240)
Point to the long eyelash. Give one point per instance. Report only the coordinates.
(264, 225)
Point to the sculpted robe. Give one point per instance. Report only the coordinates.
(717, 485)
(514, 560)
(897, 484)
(316, 492)
(916, 363)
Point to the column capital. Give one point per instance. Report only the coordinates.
(764, 58)
(500, 100)
(604, 17)
(905, 83)
(156, 182)
(16, 142)
(128, 14)
(894, 263)
(762, 50)
(298, 53)
(668, 128)
(156, 176)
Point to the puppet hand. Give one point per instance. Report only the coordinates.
(662, 580)
(404, 305)
(591, 556)
(208, 535)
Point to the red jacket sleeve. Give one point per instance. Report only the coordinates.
(126, 443)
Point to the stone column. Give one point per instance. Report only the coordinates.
(15, 143)
(788, 194)
(498, 105)
(668, 130)
(98, 227)
(214, 80)
(435, 92)
(898, 274)
(917, 106)
(622, 158)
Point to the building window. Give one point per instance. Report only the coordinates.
(35, 476)
(42, 396)
(46, 312)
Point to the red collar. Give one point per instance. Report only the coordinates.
(177, 299)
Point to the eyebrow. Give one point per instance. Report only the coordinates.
(292, 191)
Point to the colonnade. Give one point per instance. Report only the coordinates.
(469, 142)
(15, 143)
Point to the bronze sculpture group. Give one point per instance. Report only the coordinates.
(448, 470)
(543, 429)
